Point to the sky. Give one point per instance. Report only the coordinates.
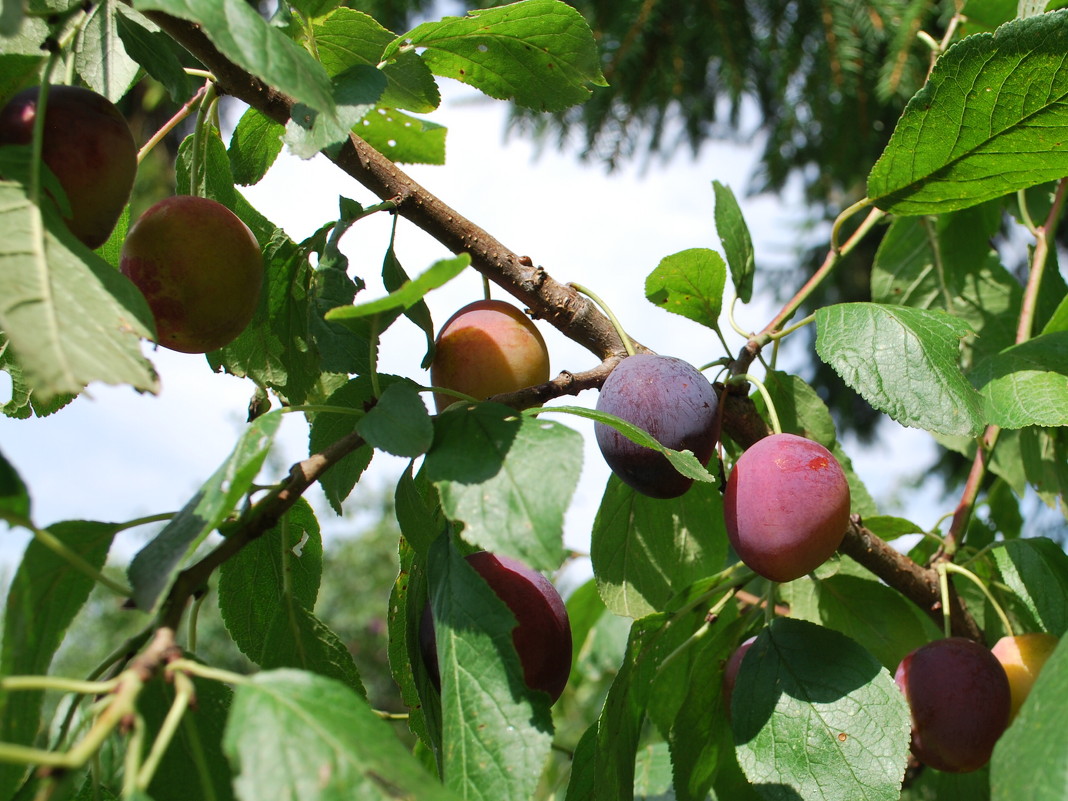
(115, 455)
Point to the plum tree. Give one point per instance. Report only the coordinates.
(959, 698)
(542, 636)
(1023, 656)
(87, 145)
(730, 671)
(486, 348)
(671, 400)
(786, 506)
(200, 269)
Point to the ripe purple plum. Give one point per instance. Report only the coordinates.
(959, 697)
(542, 636)
(486, 348)
(1022, 657)
(87, 145)
(674, 403)
(786, 506)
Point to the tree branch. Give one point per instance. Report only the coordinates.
(263, 516)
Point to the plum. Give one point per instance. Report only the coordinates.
(730, 671)
(674, 403)
(786, 506)
(542, 636)
(200, 269)
(87, 145)
(486, 348)
(959, 697)
(1022, 657)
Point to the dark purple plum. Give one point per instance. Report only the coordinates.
(959, 698)
(542, 636)
(87, 145)
(668, 398)
(786, 506)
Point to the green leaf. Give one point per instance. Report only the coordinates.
(404, 139)
(295, 735)
(1026, 384)
(197, 742)
(71, 319)
(690, 284)
(876, 617)
(419, 513)
(991, 119)
(689, 707)
(618, 729)
(737, 244)
(399, 423)
(405, 296)
(393, 278)
(1036, 570)
(45, 595)
(254, 146)
(683, 461)
(155, 51)
(507, 477)
(23, 402)
(155, 565)
(348, 38)
(355, 93)
(1031, 758)
(14, 499)
(237, 30)
(1058, 321)
(645, 550)
(815, 716)
(903, 362)
(538, 53)
(266, 596)
(496, 732)
(99, 55)
(328, 427)
(407, 601)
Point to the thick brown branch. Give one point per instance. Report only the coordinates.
(917, 583)
(260, 519)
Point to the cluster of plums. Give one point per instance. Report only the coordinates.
(961, 695)
(786, 502)
(198, 266)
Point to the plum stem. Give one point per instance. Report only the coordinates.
(776, 426)
(943, 589)
(184, 694)
(624, 338)
(171, 124)
(949, 567)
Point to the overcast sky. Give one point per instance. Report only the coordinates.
(116, 455)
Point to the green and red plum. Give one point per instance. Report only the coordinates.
(200, 269)
(786, 506)
(959, 699)
(672, 401)
(542, 636)
(87, 144)
(487, 348)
